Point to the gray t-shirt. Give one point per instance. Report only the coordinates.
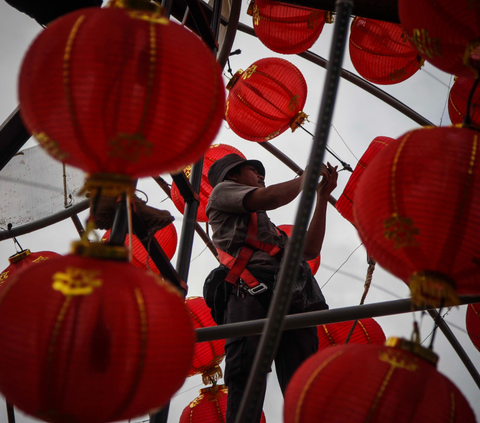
(229, 220)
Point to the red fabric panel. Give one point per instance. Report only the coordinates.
(359, 383)
(381, 53)
(458, 98)
(92, 340)
(445, 33)
(265, 99)
(106, 90)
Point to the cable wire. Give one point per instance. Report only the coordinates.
(348, 258)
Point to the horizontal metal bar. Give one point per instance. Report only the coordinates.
(315, 318)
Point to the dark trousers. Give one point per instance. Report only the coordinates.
(295, 346)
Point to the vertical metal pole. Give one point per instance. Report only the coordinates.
(10, 413)
(78, 225)
(288, 271)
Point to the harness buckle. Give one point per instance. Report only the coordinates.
(261, 287)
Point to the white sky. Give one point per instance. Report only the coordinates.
(358, 118)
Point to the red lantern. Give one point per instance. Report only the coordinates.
(166, 237)
(209, 407)
(120, 91)
(359, 383)
(92, 340)
(445, 33)
(458, 98)
(473, 324)
(266, 100)
(418, 213)
(21, 260)
(286, 28)
(367, 331)
(207, 355)
(315, 263)
(345, 202)
(215, 152)
(381, 53)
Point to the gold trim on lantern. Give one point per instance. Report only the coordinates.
(50, 146)
(136, 5)
(108, 185)
(432, 288)
(212, 375)
(19, 256)
(329, 17)
(99, 250)
(425, 44)
(234, 79)
(297, 120)
(250, 8)
(414, 348)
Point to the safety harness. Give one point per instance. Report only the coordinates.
(237, 266)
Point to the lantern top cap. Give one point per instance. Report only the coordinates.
(19, 256)
(219, 169)
(146, 5)
(234, 79)
(414, 348)
(99, 250)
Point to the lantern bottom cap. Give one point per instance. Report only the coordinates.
(108, 185)
(99, 250)
(433, 288)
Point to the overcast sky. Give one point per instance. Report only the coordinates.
(358, 119)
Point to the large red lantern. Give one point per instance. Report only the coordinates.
(166, 237)
(21, 260)
(344, 203)
(458, 99)
(121, 92)
(286, 28)
(266, 99)
(371, 383)
(209, 407)
(381, 53)
(366, 331)
(207, 355)
(418, 213)
(315, 263)
(473, 324)
(215, 152)
(445, 33)
(92, 340)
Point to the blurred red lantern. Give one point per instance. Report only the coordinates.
(418, 213)
(381, 53)
(367, 331)
(266, 99)
(92, 340)
(358, 383)
(215, 152)
(473, 324)
(207, 355)
(285, 28)
(445, 33)
(21, 260)
(166, 237)
(209, 407)
(315, 263)
(345, 202)
(104, 90)
(458, 99)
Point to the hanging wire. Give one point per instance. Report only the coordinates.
(346, 145)
(434, 77)
(229, 68)
(435, 327)
(180, 393)
(199, 254)
(446, 100)
(345, 165)
(348, 258)
(437, 321)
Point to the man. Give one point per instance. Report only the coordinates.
(240, 192)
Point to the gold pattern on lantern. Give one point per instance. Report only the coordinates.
(196, 401)
(399, 360)
(397, 74)
(76, 281)
(155, 18)
(256, 15)
(249, 72)
(50, 146)
(425, 44)
(39, 259)
(294, 103)
(4, 277)
(401, 231)
(130, 147)
(272, 135)
(313, 19)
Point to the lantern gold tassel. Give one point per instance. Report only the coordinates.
(432, 289)
(297, 120)
(212, 375)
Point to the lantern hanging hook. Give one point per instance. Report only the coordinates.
(15, 241)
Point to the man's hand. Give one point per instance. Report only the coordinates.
(329, 181)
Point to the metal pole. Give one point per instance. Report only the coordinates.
(359, 82)
(10, 413)
(288, 270)
(315, 318)
(78, 225)
(456, 345)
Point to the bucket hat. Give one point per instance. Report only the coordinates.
(219, 169)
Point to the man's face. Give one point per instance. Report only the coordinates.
(249, 176)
